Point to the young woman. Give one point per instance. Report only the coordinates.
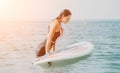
(55, 31)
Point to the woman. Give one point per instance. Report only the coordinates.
(55, 31)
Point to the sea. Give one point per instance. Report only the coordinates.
(19, 41)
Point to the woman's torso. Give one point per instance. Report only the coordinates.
(57, 32)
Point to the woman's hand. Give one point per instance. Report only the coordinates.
(61, 32)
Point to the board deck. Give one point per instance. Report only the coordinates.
(76, 50)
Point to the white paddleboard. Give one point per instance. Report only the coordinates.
(76, 50)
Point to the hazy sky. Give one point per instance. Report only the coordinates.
(48, 9)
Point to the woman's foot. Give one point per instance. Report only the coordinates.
(49, 64)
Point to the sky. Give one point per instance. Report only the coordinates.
(36, 10)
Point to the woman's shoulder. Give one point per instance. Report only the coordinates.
(54, 22)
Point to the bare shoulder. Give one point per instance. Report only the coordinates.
(54, 24)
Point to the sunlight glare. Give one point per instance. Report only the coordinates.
(4, 4)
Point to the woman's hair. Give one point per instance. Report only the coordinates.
(65, 13)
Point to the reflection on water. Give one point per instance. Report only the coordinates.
(16, 45)
(18, 42)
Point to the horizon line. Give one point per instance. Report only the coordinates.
(70, 20)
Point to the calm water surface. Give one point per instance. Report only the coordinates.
(18, 42)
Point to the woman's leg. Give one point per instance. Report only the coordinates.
(41, 50)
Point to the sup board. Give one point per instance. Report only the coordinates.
(71, 52)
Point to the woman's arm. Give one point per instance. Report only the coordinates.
(50, 35)
(61, 32)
